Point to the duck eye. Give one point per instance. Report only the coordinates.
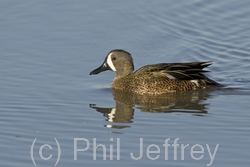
(113, 58)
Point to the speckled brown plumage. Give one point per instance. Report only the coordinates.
(154, 79)
(156, 85)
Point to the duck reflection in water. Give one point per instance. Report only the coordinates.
(162, 87)
(192, 102)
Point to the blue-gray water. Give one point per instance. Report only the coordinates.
(48, 48)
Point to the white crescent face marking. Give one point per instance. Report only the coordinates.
(111, 115)
(110, 63)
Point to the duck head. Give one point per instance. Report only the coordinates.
(116, 60)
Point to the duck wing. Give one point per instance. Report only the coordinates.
(180, 71)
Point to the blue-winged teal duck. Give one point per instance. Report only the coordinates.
(156, 78)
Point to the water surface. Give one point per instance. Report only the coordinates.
(48, 49)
